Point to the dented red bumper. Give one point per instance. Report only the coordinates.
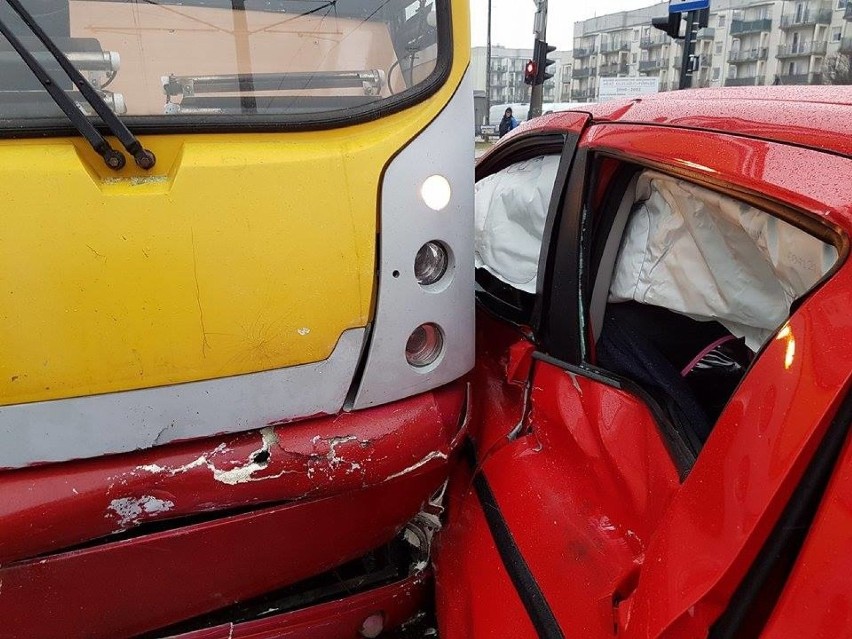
(117, 546)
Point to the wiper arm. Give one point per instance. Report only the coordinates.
(114, 159)
(144, 158)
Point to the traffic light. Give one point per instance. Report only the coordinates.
(670, 24)
(540, 53)
(530, 72)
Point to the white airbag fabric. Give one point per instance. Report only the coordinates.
(510, 211)
(708, 256)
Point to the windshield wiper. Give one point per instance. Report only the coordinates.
(113, 158)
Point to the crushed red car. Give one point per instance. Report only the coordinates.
(661, 397)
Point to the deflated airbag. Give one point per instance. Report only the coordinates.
(709, 256)
(511, 208)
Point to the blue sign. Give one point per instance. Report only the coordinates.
(682, 6)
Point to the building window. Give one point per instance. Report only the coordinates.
(721, 20)
(635, 35)
(634, 58)
(716, 73)
(719, 47)
(835, 34)
(841, 4)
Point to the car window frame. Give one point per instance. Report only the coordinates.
(567, 284)
(520, 148)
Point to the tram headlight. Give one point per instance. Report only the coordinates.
(430, 263)
(436, 192)
(422, 330)
(424, 345)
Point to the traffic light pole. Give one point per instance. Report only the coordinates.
(695, 19)
(540, 31)
(686, 68)
(488, 72)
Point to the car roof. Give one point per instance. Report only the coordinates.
(818, 117)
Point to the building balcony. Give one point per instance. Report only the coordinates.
(801, 78)
(656, 41)
(582, 73)
(585, 52)
(808, 17)
(707, 33)
(746, 81)
(846, 45)
(612, 47)
(741, 27)
(747, 55)
(587, 94)
(800, 50)
(609, 70)
(652, 65)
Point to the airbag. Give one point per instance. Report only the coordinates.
(709, 256)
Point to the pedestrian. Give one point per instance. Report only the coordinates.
(507, 123)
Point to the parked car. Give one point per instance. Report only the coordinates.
(662, 391)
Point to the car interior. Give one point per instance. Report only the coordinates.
(685, 283)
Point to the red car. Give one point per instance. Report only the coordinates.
(661, 398)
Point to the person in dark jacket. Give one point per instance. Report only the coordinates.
(507, 123)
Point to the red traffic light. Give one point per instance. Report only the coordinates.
(530, 72)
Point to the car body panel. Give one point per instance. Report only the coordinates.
(55, 507)
(815, 117)
(226, 515)
(778, 172)
(759, 450)
(474, 594)
(582, 545)
(818, 587)
(397, 604)
(159, 579)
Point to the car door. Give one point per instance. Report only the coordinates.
(505, 515)
(727, 544)
(587, 508)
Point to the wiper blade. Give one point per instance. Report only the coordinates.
(143, 157)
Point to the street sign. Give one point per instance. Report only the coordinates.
(613, 88)
(682, 6)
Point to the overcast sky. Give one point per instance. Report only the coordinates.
(512, 20)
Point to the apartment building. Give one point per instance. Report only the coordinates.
(747, 42)
(507, 75)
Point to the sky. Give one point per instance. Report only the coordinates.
(512, 20)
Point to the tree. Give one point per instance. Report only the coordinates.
(837, 69)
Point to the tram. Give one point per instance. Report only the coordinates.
(237, 299)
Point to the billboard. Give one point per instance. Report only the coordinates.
(615, 88)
